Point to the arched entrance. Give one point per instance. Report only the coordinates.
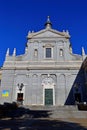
(48, 91)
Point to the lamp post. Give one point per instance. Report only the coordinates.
(20, 87)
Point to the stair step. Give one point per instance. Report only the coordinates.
(60, 111)
(68, 114)
(61, 108)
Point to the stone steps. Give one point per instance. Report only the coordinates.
(58, 108)
(60, 111)
(68, 114)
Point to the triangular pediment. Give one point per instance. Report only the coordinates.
(48, 33)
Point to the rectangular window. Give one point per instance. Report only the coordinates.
(48, 53)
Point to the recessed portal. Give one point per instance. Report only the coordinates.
(20, 98)
(48, 96)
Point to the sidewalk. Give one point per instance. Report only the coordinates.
(21, 118)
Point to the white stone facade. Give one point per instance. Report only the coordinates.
(47, 74)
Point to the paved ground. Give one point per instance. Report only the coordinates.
(13, 118)
(26, 123)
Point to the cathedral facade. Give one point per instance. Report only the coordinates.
(48, 73)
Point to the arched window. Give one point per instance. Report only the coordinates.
(35, 52)
(61, 52)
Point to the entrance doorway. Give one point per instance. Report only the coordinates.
(48, 96)
(78, 97)
(20, 98)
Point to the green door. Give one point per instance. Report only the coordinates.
(48, 96)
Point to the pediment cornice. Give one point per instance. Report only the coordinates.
(48, 33)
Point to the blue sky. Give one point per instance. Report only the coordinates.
(17, 17)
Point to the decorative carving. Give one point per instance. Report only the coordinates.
(48, 81)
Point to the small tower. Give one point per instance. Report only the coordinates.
(26, 48)
(14, 52)
(48, 23)
(83, 53)
(7, 53)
